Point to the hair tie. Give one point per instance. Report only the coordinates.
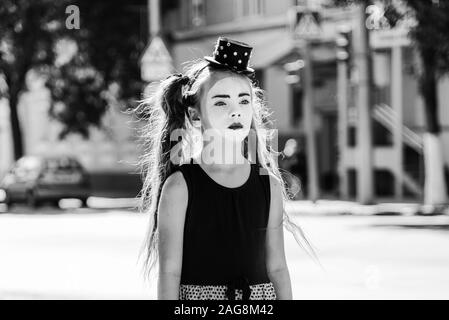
(185, 82)
(184, 79)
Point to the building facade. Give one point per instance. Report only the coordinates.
(193, 26)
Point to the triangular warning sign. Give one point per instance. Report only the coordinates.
(156, 62)
(308, 25)
(156, 52)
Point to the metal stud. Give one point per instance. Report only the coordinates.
(240, 61)
(225, 55)
(235, 53)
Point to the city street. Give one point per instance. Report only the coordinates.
(93, 254)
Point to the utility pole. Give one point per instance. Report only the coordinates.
(306, 28)
(309, 123)
(154, 18)
(362, 56)
(344, 45)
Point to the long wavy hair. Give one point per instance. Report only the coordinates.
(165, 111)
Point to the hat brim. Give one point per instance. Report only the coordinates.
(211, 60)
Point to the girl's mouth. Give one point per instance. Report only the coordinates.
(235, 126)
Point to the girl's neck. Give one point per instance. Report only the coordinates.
(217, 158)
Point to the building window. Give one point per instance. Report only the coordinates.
(352, 182)
(198, 13)
(352, 136)
(384, 183)
(249, 8)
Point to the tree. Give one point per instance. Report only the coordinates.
(110, 38)
(25, 42)
(430, 35)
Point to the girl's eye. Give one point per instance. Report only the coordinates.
(219, 103)
(245, 101)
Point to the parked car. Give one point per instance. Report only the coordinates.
(34, 179)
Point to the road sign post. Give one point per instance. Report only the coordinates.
(306, 27)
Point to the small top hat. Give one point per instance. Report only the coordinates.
(231, 54)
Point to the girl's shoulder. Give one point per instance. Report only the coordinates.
(175, 186)
(172, 205)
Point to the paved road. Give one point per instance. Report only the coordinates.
(92, 254)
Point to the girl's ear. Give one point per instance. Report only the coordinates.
(194, 117)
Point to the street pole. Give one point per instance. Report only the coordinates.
(306, 27)
(397, 105)
(365, 174)
(342, 72)
(309, 123)
(154, 18)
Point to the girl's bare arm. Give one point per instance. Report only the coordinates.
(276, 262)
(172, 209)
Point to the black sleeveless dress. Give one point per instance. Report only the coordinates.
(224, 238)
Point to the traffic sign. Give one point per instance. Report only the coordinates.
(306, 22)
(156, 62)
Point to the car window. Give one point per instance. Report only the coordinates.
(60, 164)
(61, 170)
(27, 168)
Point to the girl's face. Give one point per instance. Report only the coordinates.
(227, 106)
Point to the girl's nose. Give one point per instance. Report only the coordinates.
(235, 114)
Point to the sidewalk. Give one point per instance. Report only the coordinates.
(299, 207)
(337, 207)
(320, 207)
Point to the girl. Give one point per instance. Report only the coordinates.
(216, 220)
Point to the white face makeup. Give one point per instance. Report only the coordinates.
(228, 102)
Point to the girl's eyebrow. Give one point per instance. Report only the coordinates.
(227, 96)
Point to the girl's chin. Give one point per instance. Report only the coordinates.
(235, 134)
(229, 134)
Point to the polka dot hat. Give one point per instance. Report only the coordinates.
(231, 54)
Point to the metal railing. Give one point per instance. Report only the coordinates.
(387, 116)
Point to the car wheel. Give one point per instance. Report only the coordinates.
(83, 202)
(55, 203)
(31, 199)
(8, 201)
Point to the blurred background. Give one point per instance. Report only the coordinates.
(358, 92)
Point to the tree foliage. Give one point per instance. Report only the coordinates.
(110, 39)
(432, 31)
